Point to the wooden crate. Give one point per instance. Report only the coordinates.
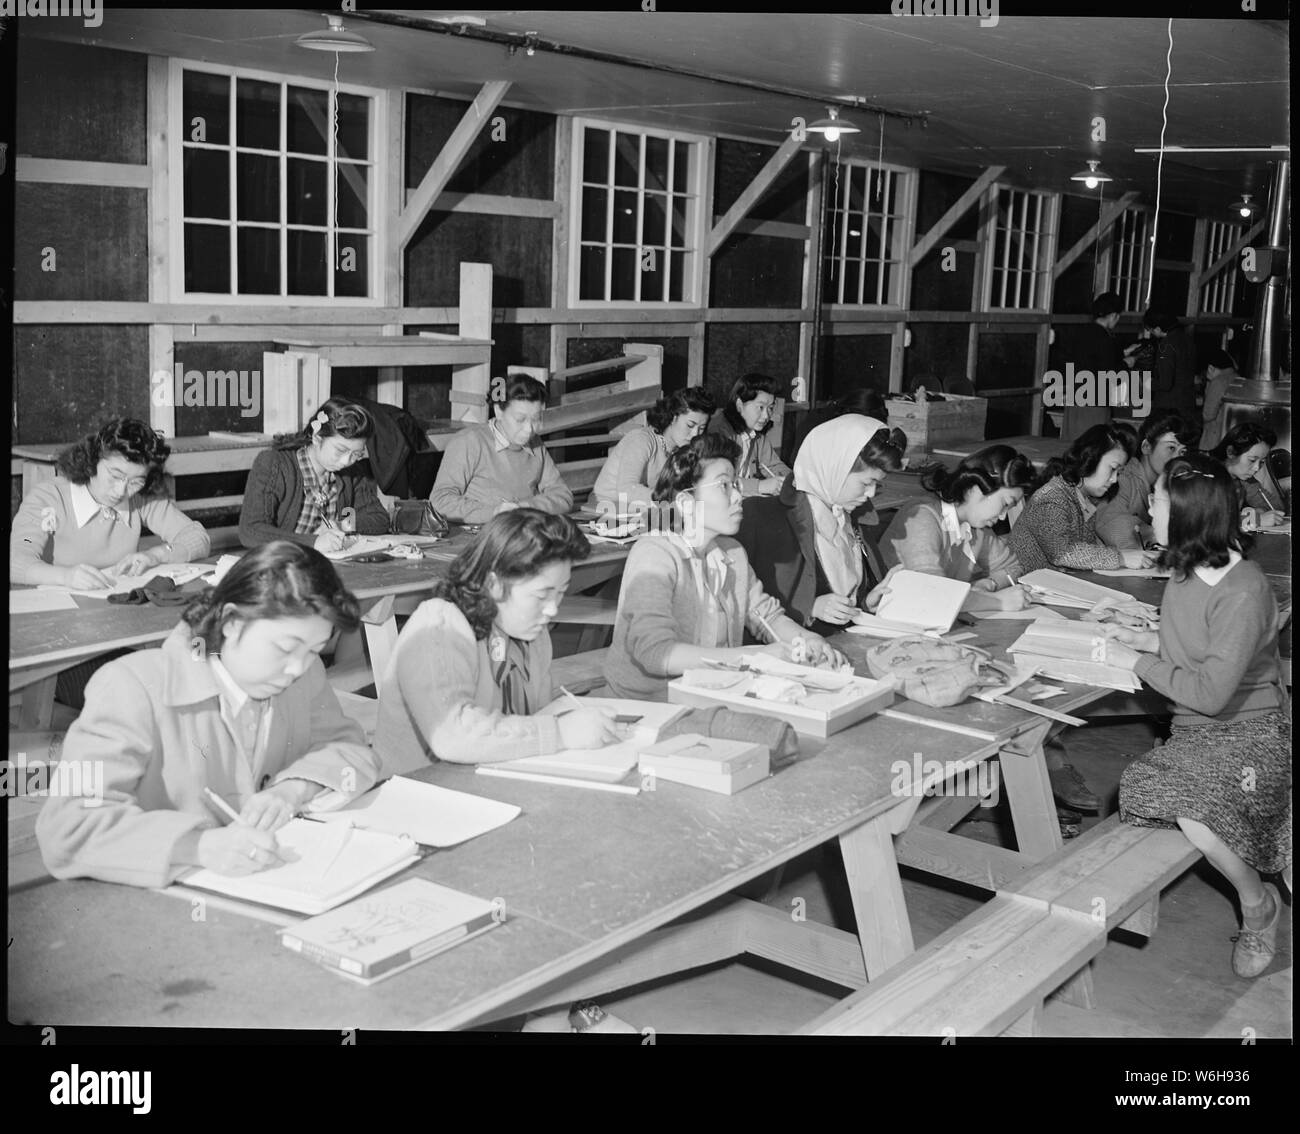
(932, 424)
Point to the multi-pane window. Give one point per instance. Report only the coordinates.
(1220, 292)
(277, 187)
(1021, 244)
(1131, 258)
(637, 204)
(867, 234)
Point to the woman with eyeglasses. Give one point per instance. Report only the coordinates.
(1224, 775)
(690, 593)
(807, 545)
(746, 419)
(82, 527)
(306, 489)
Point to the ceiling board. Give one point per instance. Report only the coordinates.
(1022, 93)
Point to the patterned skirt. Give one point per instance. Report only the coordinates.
(1233, 777)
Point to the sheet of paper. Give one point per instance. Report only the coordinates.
(178, 573)
(431, 815)
(655, 715)
(1030, 614)
(928, 601)
(39, 601)
(1137, 573)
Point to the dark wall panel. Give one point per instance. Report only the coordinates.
(192, 421)
(100, 237)
(1072, 292)
(934, 289)
(1003, 360)
(81, 103)
(758, 271)
(738, 163)
(70, 377)
(936, 193)
(513, 344)
(848, 362)
(518, 248)
(938, 350)
(520, 165)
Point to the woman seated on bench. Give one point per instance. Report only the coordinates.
(1243, 452)
(689, 595)
(951, 533)
(746, 419)
(807, 545)
(305, 489)
(502, 464)
(82, 527)
(236, 701)
(1224, 774)
(626, 482)
(472, 665)
(1058, 526)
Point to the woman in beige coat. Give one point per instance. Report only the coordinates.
(235, 701)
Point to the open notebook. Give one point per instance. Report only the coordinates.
(178, 573)
(326, 864)
(432, 816)
(917, 603)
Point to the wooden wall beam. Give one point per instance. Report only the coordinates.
(1232, 253)
(923, 247)
(1109, 215)
(453, 153)
(50, 171)
(753, 191)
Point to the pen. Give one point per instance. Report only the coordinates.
(576, 703)
(222, 806)
(767, 626)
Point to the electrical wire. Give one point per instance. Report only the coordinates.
(1160, 161)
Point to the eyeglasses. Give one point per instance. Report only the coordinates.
(132, 483)
(731, 484)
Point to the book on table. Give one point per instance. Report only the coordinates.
(640, 724)
(708, 762)
(324, 865)
(1071, 651)
(916, 603)
(390, 930)
(1056, 588)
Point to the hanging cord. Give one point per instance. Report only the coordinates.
(1164, 125)
(880, 158)
(334, 173)
(1096, 244)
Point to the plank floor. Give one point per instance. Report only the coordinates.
(1178, 985)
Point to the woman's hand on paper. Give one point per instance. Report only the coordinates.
(1146, 641)
(1012, 598)
(331, 539)
(1122, 656)
(1271, 519)
(84, 577)
(820, 653)
(587, 728)
(832, 608)
(880, 590)
(134, 564)
(984, 585)
(1136, 559)
(237, 850)
(271, 809)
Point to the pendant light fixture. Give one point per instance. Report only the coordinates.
(1092, 176)
(335, 38)
(833, 127)
(1245, 208)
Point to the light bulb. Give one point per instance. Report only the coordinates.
(1244, 210)
(832, 134)
(1091, 182)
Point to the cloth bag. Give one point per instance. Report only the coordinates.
(934, 672)
(419, 517)
(780, 739)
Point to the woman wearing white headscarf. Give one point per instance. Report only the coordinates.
(806, 544)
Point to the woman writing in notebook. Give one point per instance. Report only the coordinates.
(82, 527)
(1243, 453)
(951, 533)
(472, 665)
(690, 594)
(235, 701)
(306, 490)
(746, 419)
(1224, 775)
(1058, 527)
(807, 545)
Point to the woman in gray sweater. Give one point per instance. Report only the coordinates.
(1224, 775)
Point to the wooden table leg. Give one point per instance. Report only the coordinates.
(36, 705)
(884, 931)
(1029, 791)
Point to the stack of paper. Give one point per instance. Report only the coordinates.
(1071, 651)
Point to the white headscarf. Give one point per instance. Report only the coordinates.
(821, 467)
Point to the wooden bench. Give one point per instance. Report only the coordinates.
(990, 973)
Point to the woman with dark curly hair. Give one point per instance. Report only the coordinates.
(473, 664)
(235, 701)
(305, 488)
(82, 526)
(1224, 775)
(1243, 451)
(628, 477)
(746, 419)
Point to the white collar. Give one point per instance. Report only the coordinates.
(958, 529)
(85, 507)
(500, 442)
(1212, 576)
(231, 693)
(1086, 504)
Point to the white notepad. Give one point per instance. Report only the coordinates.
(38, 601)
(433, 816)
(328, 864)
(916, 603)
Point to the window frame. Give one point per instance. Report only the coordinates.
(906, 233)
(378, 163)
(1046, 238)
(1116, 244)
(1224, 284)
(698, 182)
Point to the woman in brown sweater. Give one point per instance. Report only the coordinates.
(1224, 776)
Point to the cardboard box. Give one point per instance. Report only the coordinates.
(708, 762)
